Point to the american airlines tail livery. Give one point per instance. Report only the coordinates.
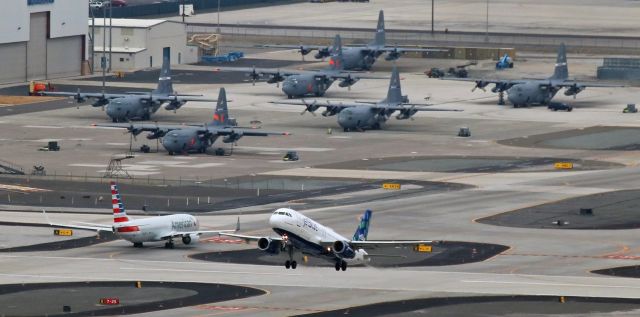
(138, 231)
(298, 233)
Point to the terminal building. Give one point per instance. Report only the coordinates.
(137, 43)
(42, 39)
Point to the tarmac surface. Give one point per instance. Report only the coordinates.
(443, 253)
(342, 175)
(83, 298)
(494, 306)
(592, 138)
(609, 210)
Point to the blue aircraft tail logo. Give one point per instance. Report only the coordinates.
(363, 228)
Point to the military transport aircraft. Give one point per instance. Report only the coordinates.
(299, 233)
(360, 115)
(299, 83)
(137, 105)
(360, 57)
(527, 92)
(139, 231)
(177, 139)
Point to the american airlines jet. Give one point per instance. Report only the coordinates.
(302, 234)
(161, 228)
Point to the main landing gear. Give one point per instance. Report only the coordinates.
(291, 263)
(341, 265)
(137, 244)
(501, 98)
(169, 244)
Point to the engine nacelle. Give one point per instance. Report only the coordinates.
(269, 246)
(392, 56)
(175, 105)
(574, 90)
(499, 87)
(275, 78)
(343, 250)
(331, 111)
(156, 134)
(304, 51)
(233, 137)
(406, 114)
(100, 102)
(349, 81)
(190, 238)
(322, 53)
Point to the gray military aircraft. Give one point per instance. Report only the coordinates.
(182, 139)
(528, 92)
(360, 115)
(137, 105)
(360, 57)
(313, 82)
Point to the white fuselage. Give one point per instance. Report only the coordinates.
(307, 234)
(155, 228)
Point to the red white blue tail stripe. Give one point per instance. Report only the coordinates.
(119, 215)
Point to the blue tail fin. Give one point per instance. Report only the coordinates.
(561, 71)
(379, 39)
(336, 62)
(165, 85)
(221, 116)
(363, 228)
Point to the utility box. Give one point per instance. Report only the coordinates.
(464, 132)
(186, 10)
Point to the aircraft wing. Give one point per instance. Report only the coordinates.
(313, 105)
(247, 238)
(83, 95)
(372, 244)
(226, 131)
(262, 72)
(179, 234)
(573, 83)
(489, 81)
(411, 107)
(90, 227)
(302, 48)
(401, 50)
(170, 98)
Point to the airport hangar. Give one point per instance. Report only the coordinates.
(138, 43)
(42, 39)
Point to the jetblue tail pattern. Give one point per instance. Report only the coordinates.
(379, 39)
(561, 71)
(221, 116)
(119, 214)
(394, 95)
(363, 228)
(337, 61)
(165, 85)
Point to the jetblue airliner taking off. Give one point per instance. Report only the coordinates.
(299, 233)
(161, 228)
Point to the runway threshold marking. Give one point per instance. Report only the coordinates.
(208, 271)
(22, 189)
(611, 256)
(549, 284)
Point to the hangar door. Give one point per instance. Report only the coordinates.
(13, 62)
(37, 46)
(64, 56)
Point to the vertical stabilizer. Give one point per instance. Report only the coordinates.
(561, 71)
(165, 85)
(379, 39)
(394, 95)
(221, 116)
(363, 228)
(337, 60)
(119, 214)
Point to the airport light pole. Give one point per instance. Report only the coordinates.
(110, 36)
(103, 61)
(182, 11)
(218, 31)
(486, 34)
(432, 16)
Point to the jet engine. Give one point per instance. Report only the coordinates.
(233, 137)
(269, 246)
(406, 113)
(573, 90)
(343, 250)
(190, 238)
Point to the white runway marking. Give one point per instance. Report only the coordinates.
(550, 284)
(271, 149)
(42, 127)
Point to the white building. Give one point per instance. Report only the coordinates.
(137, 43)
(42, 39)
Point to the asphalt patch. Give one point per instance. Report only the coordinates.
(609, 210)
(100, 237)
(442, 253)
(481, 306)
(83, 298)
(160, 196)
(593, 138)
(632, 271)
(469, 164)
